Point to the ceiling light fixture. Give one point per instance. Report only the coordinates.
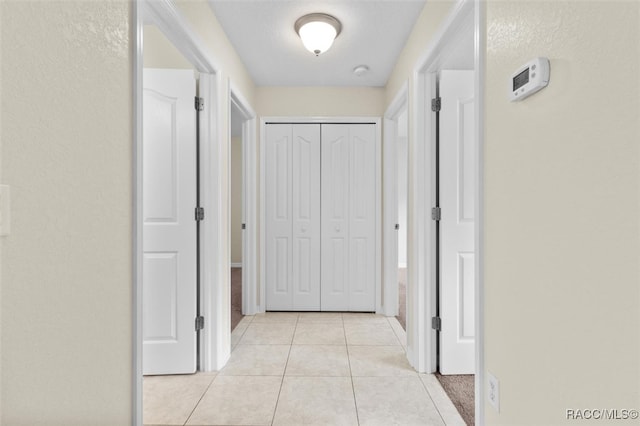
(317, 31)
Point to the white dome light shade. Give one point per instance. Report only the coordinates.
(318, 31)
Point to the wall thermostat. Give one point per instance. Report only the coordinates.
(529, 78)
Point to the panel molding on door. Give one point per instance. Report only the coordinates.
(278, 217)
(169, 229)
(335, 218)
(306, 217)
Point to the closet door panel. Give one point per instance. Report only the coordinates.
(306, 217)
(278, 205)
(335, 218)
(362, 220)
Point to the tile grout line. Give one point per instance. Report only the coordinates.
(199, 400)
(353, 388)
(394, 333)
(286, 364)
(245, 329)
(217, 374)
(432, 401)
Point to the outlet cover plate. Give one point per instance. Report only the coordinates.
(493, 391)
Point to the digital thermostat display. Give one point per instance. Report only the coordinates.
(529, 78)
(521, 79)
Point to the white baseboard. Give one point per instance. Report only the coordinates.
(236, 265)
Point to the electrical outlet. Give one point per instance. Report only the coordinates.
(493, 391)
(5, 210)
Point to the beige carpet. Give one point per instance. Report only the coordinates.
(402, 297)
(236, 296)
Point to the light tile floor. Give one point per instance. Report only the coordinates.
(305, 369)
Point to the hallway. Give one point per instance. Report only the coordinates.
(305, 368)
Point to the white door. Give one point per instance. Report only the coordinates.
(348, 217)
(293, 217)
(169, 233)
(457, 198)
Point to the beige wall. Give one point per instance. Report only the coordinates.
(66, 152)
(236, 200)
(427, 24)
(562, 178)
(159, 52)
(320, 101)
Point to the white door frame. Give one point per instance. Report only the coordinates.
(215, 344)
(390, 199)
(421, 339)
(249, 198)
(321, 120)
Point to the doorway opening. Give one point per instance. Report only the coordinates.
(169, 43)
(237, 213)
(396, 194)
(243, 216)
(402, 149)
(448, 144)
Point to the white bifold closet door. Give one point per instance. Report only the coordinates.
(348, 217)
(293, 217)
(320, 217)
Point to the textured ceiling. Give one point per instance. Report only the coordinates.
(373, 34)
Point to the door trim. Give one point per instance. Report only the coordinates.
(261, 306)
(249, 198)
(390, 199)
(421, 340)
(215, 341)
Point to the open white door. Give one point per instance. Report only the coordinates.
(169, 233)
(457, 195)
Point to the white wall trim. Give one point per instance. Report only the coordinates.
(136, 344)
(249, 198)
(322, 120)
(236, 265)
(215, 340)
(216, 343)
(390, 200)
(420, 337)
(479, 35)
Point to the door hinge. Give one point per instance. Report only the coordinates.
(436, 323)
(436, 104)
(397, 226)
(199, 323)
(436, 213)
(199, 213)
(199, 104)
(244, 226)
